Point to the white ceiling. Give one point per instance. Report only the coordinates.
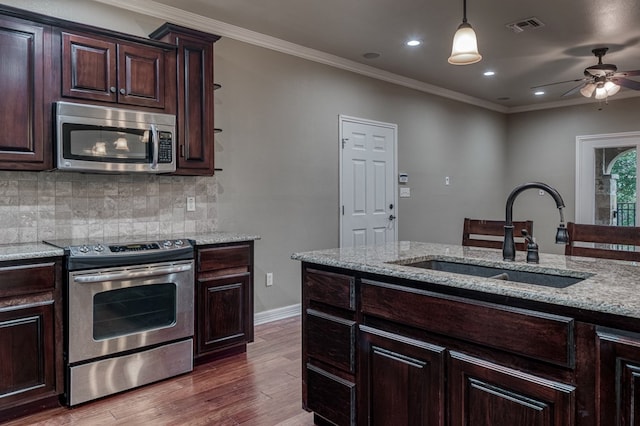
(558, 51)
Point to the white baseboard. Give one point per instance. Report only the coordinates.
(277, 314)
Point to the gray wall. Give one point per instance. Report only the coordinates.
(279, 153)
(279, 150)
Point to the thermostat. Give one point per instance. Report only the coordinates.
(403, 178)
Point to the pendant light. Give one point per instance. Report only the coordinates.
(465, 44)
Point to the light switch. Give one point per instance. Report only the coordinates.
(405, 192)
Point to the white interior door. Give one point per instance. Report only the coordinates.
(590, 183)
(368, 199)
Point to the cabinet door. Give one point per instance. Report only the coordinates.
(195, 106)
(141, 75)
(89, 68)
(27, 370)
(22, 85)
(402, 380)
(222, 308)
(485, 394)
(619, 374)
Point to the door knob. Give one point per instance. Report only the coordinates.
(391, 217)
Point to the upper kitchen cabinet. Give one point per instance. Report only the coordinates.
(194, 75)
(25, 123)
(106, 69)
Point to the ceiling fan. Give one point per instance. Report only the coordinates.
(602, 79)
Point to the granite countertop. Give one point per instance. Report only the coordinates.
(24, 251)
(609, 287)
(221, 238)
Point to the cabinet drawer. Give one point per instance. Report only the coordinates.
(331, 339)
(330, 288)
(537, 335)
(25, 279)
(331, 397)
(224, 257)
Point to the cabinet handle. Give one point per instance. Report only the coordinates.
(112, 89)
(122, 91)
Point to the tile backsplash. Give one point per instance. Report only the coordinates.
(36, 206)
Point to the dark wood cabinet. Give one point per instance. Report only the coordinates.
(25, 61)
(194, 79)
(619, 377)
(106, 69)
(30, 337)
(402, 380)
(329, 344)
(483, 393)
(224, 300)
(428, 358)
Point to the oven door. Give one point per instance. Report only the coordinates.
(112, 310)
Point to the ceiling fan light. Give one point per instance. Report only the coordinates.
(465, 46)
(588, 89)
(611, 88)
(601, 92)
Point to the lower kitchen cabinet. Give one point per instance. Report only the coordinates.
(619, 377)
(402, 380)
(30, 337)
(483, 393)
(425, 357)
(223, 300)
(329, 347)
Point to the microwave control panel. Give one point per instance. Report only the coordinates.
(165, 147)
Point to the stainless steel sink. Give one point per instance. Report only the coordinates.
(543, 279)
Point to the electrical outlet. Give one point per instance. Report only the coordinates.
(268, 279)
(191, 204)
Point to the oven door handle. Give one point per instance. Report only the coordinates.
(117, 276)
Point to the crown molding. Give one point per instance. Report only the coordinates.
(223, 29)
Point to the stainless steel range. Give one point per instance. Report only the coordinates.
(129, 314)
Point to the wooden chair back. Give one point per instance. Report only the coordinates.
(609, 242)
(490, 233)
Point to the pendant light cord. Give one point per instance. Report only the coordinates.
(464, 11)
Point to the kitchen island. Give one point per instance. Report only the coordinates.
(389, 343)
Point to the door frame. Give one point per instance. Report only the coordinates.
(394, 127)
(585, 145)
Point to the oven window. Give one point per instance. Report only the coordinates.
(99, 143)
(133, 310)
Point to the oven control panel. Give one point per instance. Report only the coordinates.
(106, 249)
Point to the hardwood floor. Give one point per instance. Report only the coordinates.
(261, 387)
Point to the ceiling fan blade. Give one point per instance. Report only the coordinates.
(625, 82)
(627, 73)
(573, 90)
(558, 82)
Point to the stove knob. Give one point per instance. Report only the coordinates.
(179, 242)
(84, 249)
(99, 248)
(167, 243)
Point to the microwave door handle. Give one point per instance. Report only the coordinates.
(156, 146)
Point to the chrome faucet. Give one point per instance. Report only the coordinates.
(509, 246)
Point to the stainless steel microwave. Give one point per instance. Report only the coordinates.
(99, 139)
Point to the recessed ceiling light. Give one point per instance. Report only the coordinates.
(489, 73)
(538, 93)
(414, 43)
